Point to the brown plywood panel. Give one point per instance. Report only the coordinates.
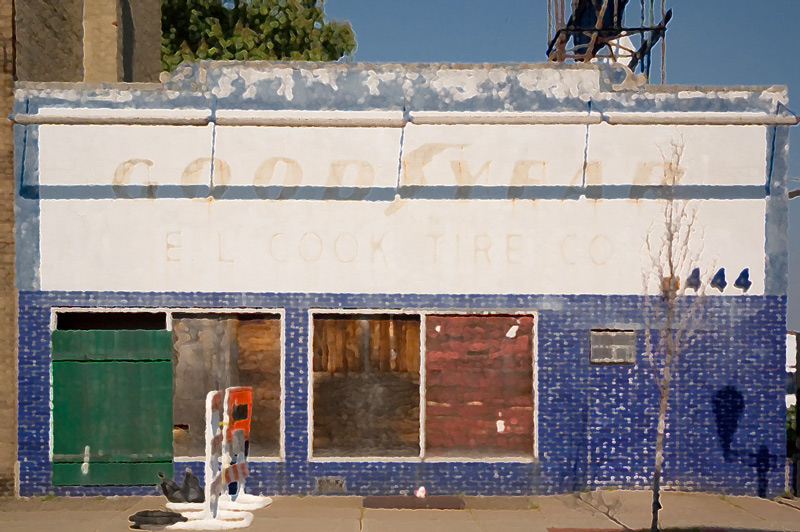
(366, 385)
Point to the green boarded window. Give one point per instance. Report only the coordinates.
(112, 398)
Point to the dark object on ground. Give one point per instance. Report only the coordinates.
(189, 492)
(154, 519)
(404, 502)
(170, 489)
(191, 489)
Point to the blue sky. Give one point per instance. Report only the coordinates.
(709, 42)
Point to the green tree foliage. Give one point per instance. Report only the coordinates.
(251, 30)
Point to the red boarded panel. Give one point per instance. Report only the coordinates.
(479, 385)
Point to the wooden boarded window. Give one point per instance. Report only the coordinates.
(215, 351)
(479, 386)
(366, 385)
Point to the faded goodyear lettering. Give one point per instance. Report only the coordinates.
(290, 169)
(351, 173)
(206, 171)
(414, 163)
(528, 172)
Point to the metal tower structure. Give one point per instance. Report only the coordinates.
(596, 31)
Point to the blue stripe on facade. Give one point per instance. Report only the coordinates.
(596, 423)
(556, 192)
(434, 192)
(229, 192)
(26, 206)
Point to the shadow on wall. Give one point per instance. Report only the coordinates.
(793, 307)
(580, 450)
(728, 406)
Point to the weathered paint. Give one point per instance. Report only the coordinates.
(26, 206)
(112, 404)
(299, 86)
(111, 345)
(777, 216)
(549, 219)
(479, 379)
(744, 344)
(124, 155)
(382, 164)
(462, 155)
(711, 155)
(414, 246)
(111, 412)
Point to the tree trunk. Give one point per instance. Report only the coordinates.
(662, 421)
(656, 498)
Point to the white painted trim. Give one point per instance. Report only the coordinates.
(701, 119)
(364, 311)
(535, 341)
(480, 312)
(234, 117)
(384, 459)
(226, 310)
(388, 119)
(310, 386)
(502, 118)
(307, 114)
(265, 459)
(493, 460)
(282, 445)
(32, 119)
(87, 116)
(51, 431)
(134, 114)
(250, 459)
(423, 377)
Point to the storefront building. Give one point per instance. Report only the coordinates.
(431, 275)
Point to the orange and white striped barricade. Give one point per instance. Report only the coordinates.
(210, 515)
(236, 444)
(214, 444)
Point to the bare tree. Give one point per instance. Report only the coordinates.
(672, 248)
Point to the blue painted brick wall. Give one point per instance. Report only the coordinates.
(596, 423)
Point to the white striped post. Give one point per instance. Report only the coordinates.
(214, 445)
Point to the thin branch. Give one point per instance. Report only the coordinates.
(669, 322)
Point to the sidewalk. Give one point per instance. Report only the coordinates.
(601, 510)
